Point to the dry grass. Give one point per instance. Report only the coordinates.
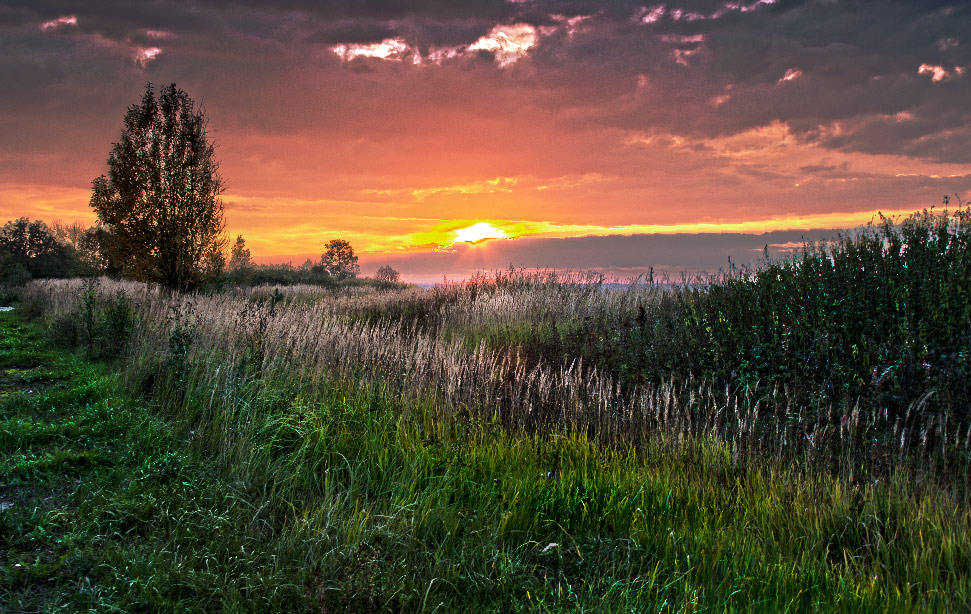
(433, 346)
(465, 448)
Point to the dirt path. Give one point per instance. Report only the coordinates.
(49, 445)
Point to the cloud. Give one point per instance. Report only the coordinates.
(571, 25)
(387, 49)
(626, 112)
(507, 43)
(144, 55)
(486, 186)
(791, 75)
(60, 22)
(948, 42)
(159, 34)
(939, 73)
(650, 15)
(658, 12)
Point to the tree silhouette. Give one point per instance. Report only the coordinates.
(160, 202)
(30, 249)
(387, 273)
(339, 260)
(239, 256)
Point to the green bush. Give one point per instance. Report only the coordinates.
(101, 326)
(880, 316)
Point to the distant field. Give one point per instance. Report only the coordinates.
(791, 438)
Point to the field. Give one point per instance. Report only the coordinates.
(794, 437)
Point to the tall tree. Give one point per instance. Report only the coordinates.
(339, 260)
(160, 202)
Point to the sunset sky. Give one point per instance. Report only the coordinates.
(615, 135)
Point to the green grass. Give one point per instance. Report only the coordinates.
(103, 510)
(789, 439)
(359, 501)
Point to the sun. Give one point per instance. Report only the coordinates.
(479, 232)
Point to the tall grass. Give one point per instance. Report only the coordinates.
(852, 356)
(551, 442)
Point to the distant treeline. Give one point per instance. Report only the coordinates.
(32, 249)
(36, 250)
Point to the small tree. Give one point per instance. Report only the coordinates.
(28, 239)
(339, 260)
(159, 203)
(12, 272)
(386, 273)
(86, 247)
(32, 246)
(239, 257)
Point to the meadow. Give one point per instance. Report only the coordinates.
(789, 437)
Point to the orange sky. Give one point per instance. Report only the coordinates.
(396, 125)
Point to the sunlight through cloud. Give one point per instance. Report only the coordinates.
(388, 49)
(939, 73)
(652, 15)
(144, 55)
(791, 75)
(60, 22)
(507, 43)
(656, 13)
(479, 232)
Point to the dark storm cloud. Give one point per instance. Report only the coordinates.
(373, 9)
(350, 31)
(698, 68)
(808, 64)
(113, 19)
(855, 64)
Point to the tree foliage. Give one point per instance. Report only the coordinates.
(239, 256)
(159, 205)
(86, 244)
(339, 260)
(386, 273)
(29, 249)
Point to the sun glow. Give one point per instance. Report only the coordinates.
(479, 232)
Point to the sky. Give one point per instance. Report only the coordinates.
(614, 135)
